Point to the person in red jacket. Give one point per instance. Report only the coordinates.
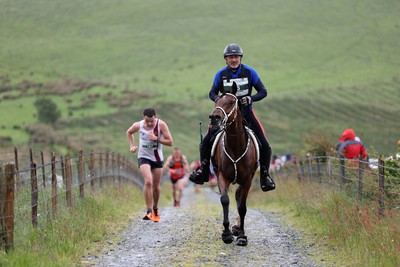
(350, 147)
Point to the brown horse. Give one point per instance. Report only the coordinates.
(235, 159)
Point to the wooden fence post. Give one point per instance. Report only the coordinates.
(309, 168)
(113, 167)
(7, 183)
(119, 169)
(43, 169)
(81, 175)
(318, 161)
(381, 185)
(53, 185)
(342, 172)
(31, 154)
(301, 170)
(62, 169)
(100, 170)
(16, 159)
(18, 177)
(34, 194)
(68, 179)
(329, 169)
(91, 171)
(360, 178)
(108, 168)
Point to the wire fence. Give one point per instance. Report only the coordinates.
(36, 188)
(377, 183)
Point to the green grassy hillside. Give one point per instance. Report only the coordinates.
(327, 65)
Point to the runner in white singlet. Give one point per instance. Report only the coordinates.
(150, 149)
(153, 133)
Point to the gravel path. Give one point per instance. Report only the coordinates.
(190, 235)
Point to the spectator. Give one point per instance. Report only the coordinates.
(350, 147)
(276, 162)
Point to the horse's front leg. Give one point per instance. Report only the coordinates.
(241, 197)
(227, 235)
(236, 227)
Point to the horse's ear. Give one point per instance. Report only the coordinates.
(234, 88)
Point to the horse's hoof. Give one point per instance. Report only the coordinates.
(227, 237)
(235, 230)
(241, 241)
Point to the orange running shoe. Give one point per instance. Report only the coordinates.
(147, 216)
(155, 216)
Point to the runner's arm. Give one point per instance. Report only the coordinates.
(185, 164)
(166, 164)
(129, 133)
(166, 138)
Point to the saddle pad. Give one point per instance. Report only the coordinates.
(251, 134)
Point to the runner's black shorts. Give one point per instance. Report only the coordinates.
(174, 180)
(153, 164)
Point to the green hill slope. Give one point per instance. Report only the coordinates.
(328, 65)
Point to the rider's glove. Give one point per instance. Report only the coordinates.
(246, 100)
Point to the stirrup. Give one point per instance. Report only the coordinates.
(266, 182)
(196, 176)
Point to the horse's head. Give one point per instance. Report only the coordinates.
(226, 108)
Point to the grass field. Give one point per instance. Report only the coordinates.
(327, 65)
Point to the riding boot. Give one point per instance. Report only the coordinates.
(202, 173)
(266, 181)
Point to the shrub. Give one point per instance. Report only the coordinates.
(318, 142)
(392, 177)
(47, 110)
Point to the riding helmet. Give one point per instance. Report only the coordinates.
(233, 49)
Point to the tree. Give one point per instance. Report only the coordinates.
(47, 110)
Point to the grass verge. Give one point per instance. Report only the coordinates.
(348, 233)
(66, 240)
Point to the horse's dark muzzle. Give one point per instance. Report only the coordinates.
(215, 120)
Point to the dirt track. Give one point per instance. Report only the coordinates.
(191, 236)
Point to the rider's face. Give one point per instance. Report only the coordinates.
(233, 61)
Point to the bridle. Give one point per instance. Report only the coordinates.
(224, 122)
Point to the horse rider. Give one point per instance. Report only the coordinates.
(246, 78)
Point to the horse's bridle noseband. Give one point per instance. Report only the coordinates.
(224, 122)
